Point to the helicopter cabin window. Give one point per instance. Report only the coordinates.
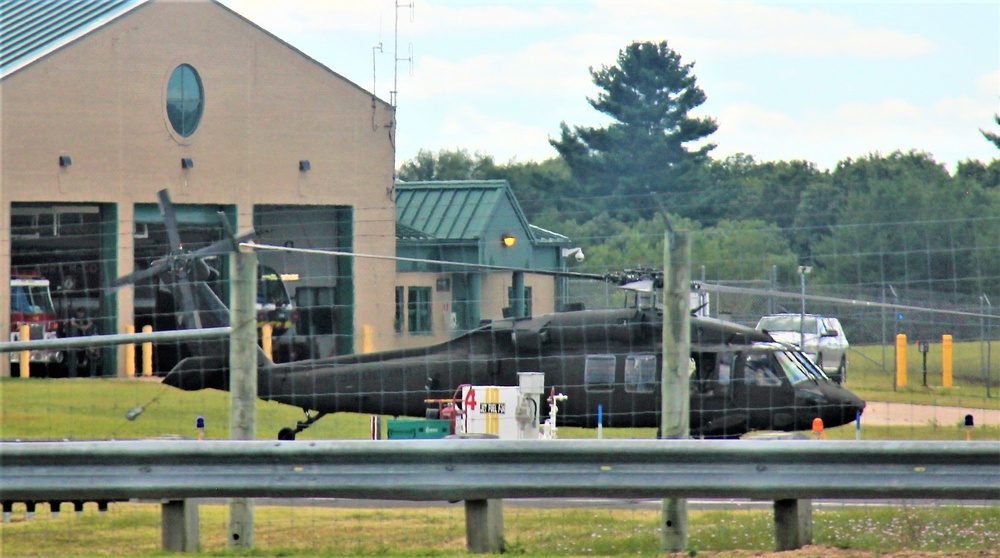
(640, 373)
(760, 372)
(599, 372)
(400, 309)
(419, 309)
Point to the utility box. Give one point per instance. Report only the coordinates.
(491, 410)
(428, 429)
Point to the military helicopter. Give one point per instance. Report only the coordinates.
(741, 379)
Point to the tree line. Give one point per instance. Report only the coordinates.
(897, 218)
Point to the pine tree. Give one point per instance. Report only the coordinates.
(649, 94)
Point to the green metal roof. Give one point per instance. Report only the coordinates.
(453, 209)
(546, 236)
(32, 29)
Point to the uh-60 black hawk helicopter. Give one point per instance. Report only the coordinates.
(741, 380)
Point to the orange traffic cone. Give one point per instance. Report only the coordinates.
(818, 431)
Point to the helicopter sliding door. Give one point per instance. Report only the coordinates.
(761, 387)
(713, 412)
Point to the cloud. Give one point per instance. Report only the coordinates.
(435, 17)
(749, 29)
(543, 69)
(330, 15)
(945, 128)
(499, 76)
(465, 126)
(989, 84)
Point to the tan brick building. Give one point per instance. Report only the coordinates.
(104, 103)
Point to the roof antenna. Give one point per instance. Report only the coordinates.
(376, 48)
(395, 45)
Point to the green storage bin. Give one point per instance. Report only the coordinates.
(417, 429)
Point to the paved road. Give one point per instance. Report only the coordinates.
(880, 413)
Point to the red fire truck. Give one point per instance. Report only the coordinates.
(31, 304)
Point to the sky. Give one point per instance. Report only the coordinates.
(785, 80)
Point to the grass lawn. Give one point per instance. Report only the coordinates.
(89, 409)
(867, 378)
(134, 530)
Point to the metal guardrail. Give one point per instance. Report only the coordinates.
(457, 470)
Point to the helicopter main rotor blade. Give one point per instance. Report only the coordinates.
(170, 220)
(224, 246)
(141, 275)
(179, 262)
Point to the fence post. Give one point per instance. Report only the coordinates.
(946, 361)
(242, 380)
(674, 419)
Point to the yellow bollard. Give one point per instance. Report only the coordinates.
(266, 340)
(25, 365)
(367, 339)
(147, 353)
(130, 354)
(818, 430)
(946, 361)
(901, 360)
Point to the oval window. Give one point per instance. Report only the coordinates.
(185, 100)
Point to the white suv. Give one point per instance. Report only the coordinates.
(822, 338)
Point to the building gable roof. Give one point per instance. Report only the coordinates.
(455, 210)
(32, 30)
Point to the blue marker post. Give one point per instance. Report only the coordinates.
(857, 426)
(600, 422)
(200, 425)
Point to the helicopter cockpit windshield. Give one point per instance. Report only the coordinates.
(793, 365)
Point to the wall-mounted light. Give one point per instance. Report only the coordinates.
(187, 163)
(305, 165)
(65, 161)
(508, 240)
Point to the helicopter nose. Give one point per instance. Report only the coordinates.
(853, 407)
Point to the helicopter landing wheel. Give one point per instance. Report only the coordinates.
(289, 433)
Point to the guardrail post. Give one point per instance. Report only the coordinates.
(792, 524)
(484, 526)
(180, 526)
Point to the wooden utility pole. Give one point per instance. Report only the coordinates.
(674, 417)
(242, 380)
